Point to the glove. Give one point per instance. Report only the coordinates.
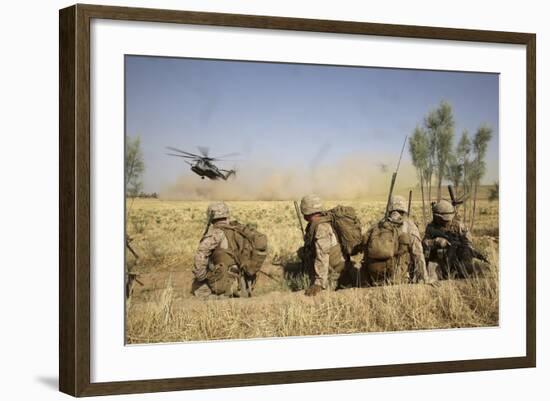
(313, 290)
(442, 242)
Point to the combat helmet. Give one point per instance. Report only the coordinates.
(444, 210)
(397, 203)
(311, 204)
(217, 210)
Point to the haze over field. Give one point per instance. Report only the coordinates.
(298, 128)
(267, 181)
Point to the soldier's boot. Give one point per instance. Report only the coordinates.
(200, 289)
(348, 278)
(432, 273)
(244, 291)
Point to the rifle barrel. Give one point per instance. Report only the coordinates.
(393, 177)
(297, 209)
(270, 276)
(131, 249)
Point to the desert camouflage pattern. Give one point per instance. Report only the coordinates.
(217, 210)
(398, 203)
(214, 276)
(409, 265)
(444, 210)
(419, 271)
(311, 204)
(324, 255)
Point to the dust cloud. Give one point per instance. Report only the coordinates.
(355, 177)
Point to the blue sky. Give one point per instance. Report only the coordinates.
(292, 115)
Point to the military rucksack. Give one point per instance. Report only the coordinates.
(383, 241)
(347, 226)
(247, 245)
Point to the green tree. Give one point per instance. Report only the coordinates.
(419, 149)
(463, 151)
(478, 167)
(439, 124)
(133, 167)
(453, 171)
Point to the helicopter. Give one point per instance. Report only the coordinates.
(203, 165)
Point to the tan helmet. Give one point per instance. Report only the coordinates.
(311, 204)
(217, 210)
(397, 203)
(444, 210)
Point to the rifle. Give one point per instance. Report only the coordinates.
(247, 282)
(270, 276)
(457, 243)
(298, 214)
(128, 240)
(131, 278)
(409, 206)
(454, 201)
(393, 177)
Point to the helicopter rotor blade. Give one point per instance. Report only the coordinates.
(227, 155)
(223, 160)
(184, 156)
(204, 151)
(183, 151)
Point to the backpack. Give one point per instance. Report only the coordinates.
(383, 241)
(347, 226)
(248, 246)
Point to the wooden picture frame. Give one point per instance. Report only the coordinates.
(74, 200)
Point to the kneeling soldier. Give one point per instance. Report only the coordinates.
(448, 244)
(214, 272)
(393, 249)
(322, 254)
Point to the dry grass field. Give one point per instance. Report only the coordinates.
(161, 309)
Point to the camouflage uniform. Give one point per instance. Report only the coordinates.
(418, 271)
(215, 270)
(409, 265)
(322, 254)
(448, 259)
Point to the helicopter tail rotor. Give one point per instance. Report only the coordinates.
(231, 173)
